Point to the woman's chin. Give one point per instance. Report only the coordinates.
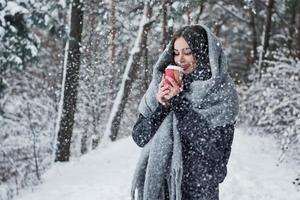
(188, 71)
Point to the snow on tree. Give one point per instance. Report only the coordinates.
(272, 103)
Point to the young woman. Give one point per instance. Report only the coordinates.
(186, 131)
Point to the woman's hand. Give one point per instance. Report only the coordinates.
(163, 90)
(174, 89)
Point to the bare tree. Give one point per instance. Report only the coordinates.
(298, 37)
(200, 11)
(254, 35)
(164, 23)
(70, 84)
(268, 26)
(266, 35)
(113, 31)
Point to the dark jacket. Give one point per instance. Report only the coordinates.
(205, 150)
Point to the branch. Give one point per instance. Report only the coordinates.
(233, 14)
(11, 161)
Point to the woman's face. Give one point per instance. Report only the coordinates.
(183, 56)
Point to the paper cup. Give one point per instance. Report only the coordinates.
(174, 72)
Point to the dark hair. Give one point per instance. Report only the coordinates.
(196, 37)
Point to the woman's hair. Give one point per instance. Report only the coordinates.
(196, 37)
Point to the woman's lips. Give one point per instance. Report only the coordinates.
(185, 67)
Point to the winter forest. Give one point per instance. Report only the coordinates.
(74, 71)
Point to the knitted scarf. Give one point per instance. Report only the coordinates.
(215, 99)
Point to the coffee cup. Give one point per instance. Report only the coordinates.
(174, 72)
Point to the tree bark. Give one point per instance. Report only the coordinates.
(71, 83)
(188, 14)
(164, 24)
(254, 36)
(298, 38)
(266, 36)
(292, 10)
(144, 45)
(113, 31)
(268, 26)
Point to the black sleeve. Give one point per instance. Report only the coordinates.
(145, 127)
(225, 142)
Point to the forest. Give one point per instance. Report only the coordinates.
(72, 73)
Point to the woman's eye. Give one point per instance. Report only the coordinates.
(187, 52)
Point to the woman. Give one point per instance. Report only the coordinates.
(186, 132)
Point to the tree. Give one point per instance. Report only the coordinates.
(20, 42)
(70, 83)
(128, 77)
(164, 23)
(266, 35)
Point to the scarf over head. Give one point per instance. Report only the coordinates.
(215, 99)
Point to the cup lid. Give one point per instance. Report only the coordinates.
(175, 67)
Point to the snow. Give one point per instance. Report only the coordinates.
(106, 173)
(12, 8)
(62, 3)
(2, 30)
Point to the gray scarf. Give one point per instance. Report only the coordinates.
(215, 99)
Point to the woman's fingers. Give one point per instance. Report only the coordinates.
(173, 82)
(165, 87)
(174, 89)
(167, 91)
(163, 93)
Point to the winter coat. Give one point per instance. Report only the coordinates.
(205, 150)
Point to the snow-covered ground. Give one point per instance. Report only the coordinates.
(105, 174)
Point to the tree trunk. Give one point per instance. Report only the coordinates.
(254, 36)
(201, 8)
(113, 73)
(292, 10)
(113, 31)
(188, 13)
(268, 26)
(266, 36)
(70, 85)
(164, 25)
(89, 27)
(129, 76)
(298, 38)
(144, 45)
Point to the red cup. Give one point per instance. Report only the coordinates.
(174, 72)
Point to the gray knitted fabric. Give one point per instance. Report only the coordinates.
(215, 99)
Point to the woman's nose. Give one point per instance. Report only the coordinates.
(181, 57)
